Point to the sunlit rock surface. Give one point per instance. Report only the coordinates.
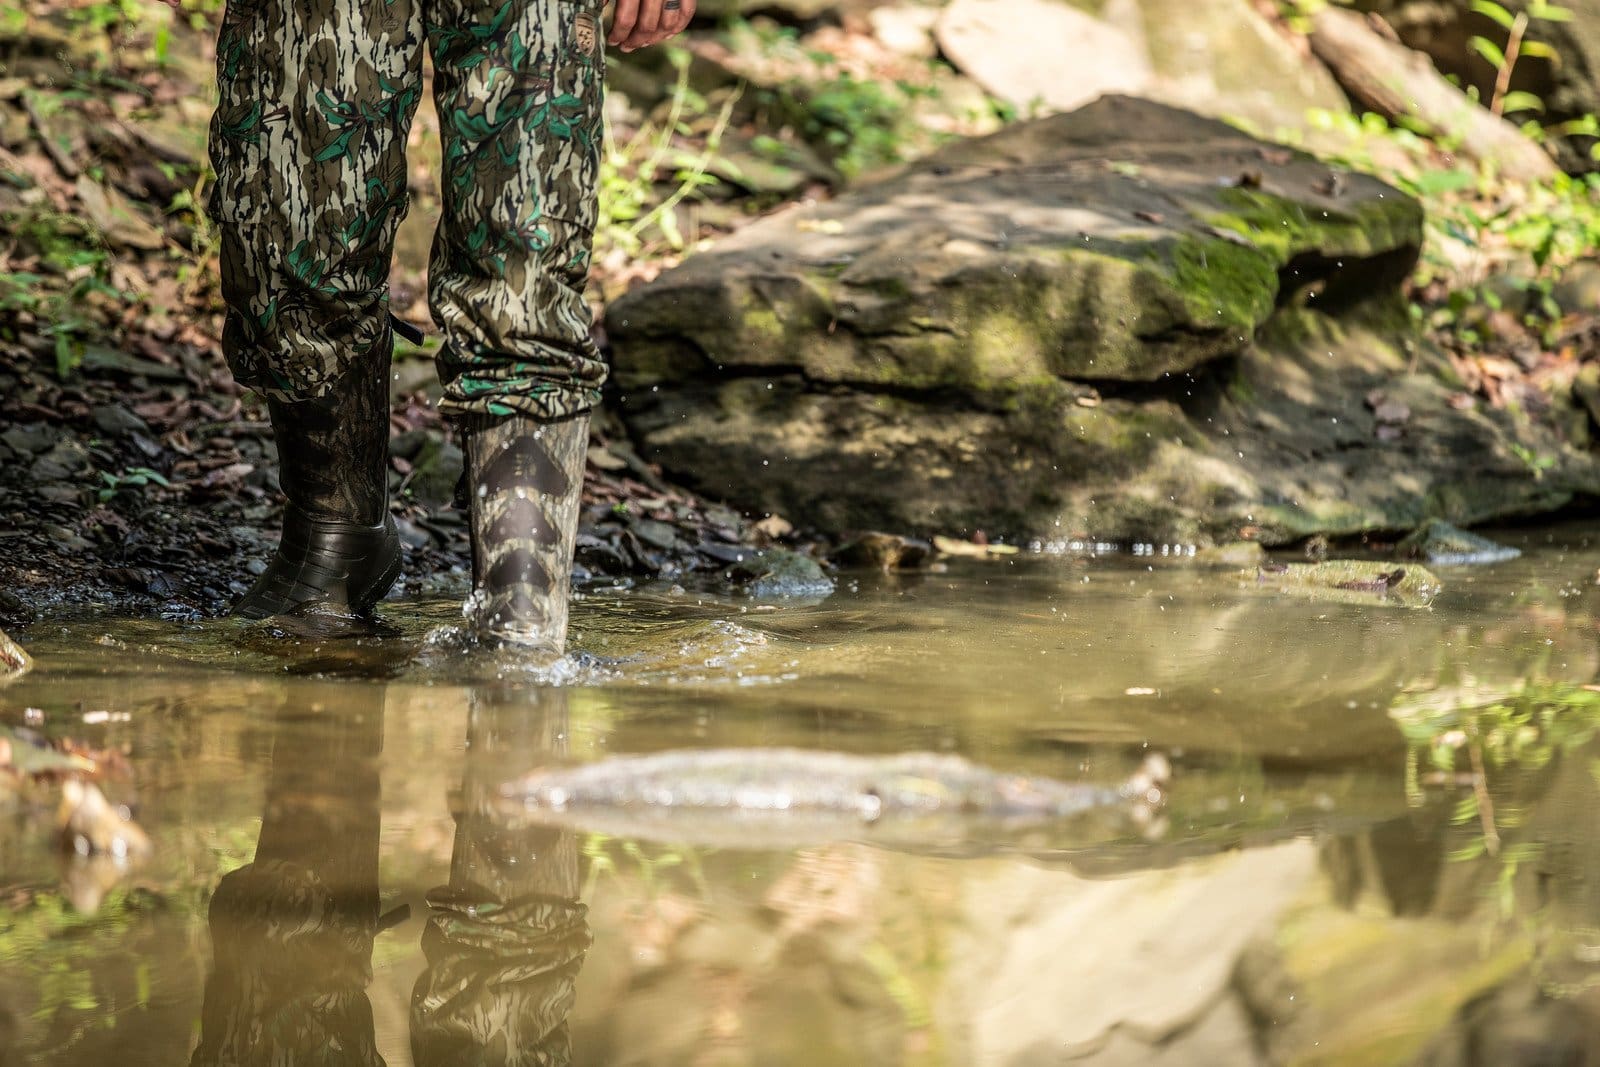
(1128, 323)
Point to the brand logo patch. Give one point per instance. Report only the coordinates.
(587, 33)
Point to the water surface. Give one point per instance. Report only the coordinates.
(1380, 846)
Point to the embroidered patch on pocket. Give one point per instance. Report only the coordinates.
(586, 33)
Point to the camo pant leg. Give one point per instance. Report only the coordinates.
(518, 87)
(308, 145)
(507, 937)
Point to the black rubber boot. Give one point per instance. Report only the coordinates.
(292, 931)
(525, 482)
(339, 547)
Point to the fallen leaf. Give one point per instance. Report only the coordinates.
(774, 526)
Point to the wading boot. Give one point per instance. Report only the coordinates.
(339, 546)
(525, 480)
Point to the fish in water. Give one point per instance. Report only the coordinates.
(772, 797)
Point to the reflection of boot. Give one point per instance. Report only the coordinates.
(339, 544)
(525, 480)
(292, 931)
(508, 934)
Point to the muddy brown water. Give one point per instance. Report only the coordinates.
(1381, 845)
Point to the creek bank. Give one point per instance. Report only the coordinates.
(1128, 323)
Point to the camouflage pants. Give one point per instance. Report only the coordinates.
(293, 931)
(308, 143)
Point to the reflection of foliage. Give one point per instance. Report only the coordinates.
(619, 858)
(1525, 730)
(1521, 733)
(44, 944)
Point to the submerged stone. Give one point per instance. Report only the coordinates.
(1351, 581)
(1440, 543)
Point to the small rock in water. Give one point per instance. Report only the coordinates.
(1441, 543)
(1351, 581)
(13, 660)
(778, 572)
(886, 552)
(436, 468)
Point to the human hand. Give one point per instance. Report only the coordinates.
(639, 23)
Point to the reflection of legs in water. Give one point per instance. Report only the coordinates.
(292, 931)
(508, 934)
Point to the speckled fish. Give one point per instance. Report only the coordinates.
(775, 797)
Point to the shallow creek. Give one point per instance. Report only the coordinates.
(1379, 844)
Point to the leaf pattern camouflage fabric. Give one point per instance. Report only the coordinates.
(308, 143)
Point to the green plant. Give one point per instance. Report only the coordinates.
(132, 478)
(1523, 732)
(634, 213)
(1504, 58)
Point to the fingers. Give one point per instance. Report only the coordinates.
(641, 23)
(645, 25)
(677, 21)
(622, 21)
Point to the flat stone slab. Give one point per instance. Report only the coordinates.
(1125, 324)
(1122, 242)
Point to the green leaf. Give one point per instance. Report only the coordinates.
(1490, 9)
(1521, 101)
(151, 476)
(1540, 50)
(1488, 50)
(1549, 12)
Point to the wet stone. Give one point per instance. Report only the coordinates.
(1440, 543)
(13, 660)
(31, 438)
(412, 535)
(1233, 554)
(1351, 581)
(883, 551)
(778, 572)
(114, 420)
(66, 460)
(656, 534)
(67, 538)
(437, 467)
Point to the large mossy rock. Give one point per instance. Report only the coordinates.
(1121, 242)
(1128, 322)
